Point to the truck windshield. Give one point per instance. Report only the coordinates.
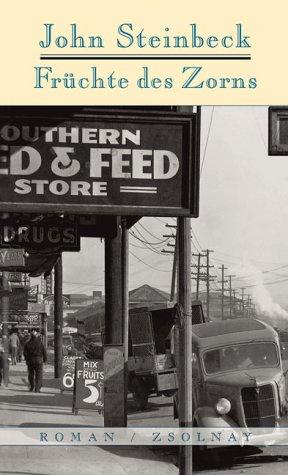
(241, 357)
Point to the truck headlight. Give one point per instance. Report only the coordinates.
(223, 406)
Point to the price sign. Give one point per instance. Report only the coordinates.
(68, 370)
(89, 385)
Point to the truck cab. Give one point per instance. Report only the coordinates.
(237, 373)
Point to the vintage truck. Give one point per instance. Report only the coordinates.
(237, 373)
(151, 365)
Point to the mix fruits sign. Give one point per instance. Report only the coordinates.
(107, 164)
(88, 385)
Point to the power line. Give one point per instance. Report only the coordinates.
(207, 140)
(148, 265)
(151, 234)
(145, 240)
(147, 245)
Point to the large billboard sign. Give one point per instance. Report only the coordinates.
(103, 164)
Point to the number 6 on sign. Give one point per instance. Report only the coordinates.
(68, 380)
(94, 396)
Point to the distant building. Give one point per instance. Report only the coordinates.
(92, 317)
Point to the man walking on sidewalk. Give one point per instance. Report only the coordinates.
(14, 343)
(35, 355)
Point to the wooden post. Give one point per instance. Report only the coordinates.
(185, 341)
(174, 269)
(125, 308)
(115, 401)
(5, 315)
(58, 318)
(198, 276)
(44, 329)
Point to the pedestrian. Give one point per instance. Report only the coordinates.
(1, 360)
(20, 347)
(14, 343)
(35, 355)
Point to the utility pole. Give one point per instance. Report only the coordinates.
(199, 276)
(5, 316)
(175, 258)
(208, 279)
(249, 306)
(58, 318)
(115, 414)
(125, 307)
(253, 314)
(234, 304)
(242, 301)
(223, 282)
(230, 295)
(185, 339)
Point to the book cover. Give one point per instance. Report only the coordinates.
(143, 165)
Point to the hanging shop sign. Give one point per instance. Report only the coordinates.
(16, 277)
(10, 258)
(27, 318)
(40, 236)
(33, 293)
(49, 299)
(117, 164)
(49, 284)
(88, 385)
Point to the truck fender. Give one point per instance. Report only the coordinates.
(207, 416)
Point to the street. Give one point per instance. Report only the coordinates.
(19, 407)
(262, 460)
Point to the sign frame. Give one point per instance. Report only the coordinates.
(188, 193)
(17, 263)
(44, 244)
(274, 115)
(79, 403)
(68, 372)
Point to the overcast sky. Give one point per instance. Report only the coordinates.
(243, 214)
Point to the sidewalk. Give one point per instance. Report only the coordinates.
(20, 408)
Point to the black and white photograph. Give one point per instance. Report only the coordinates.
(143, 303)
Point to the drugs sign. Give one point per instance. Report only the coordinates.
(39, 236)
(109, 165)
(89, 385)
